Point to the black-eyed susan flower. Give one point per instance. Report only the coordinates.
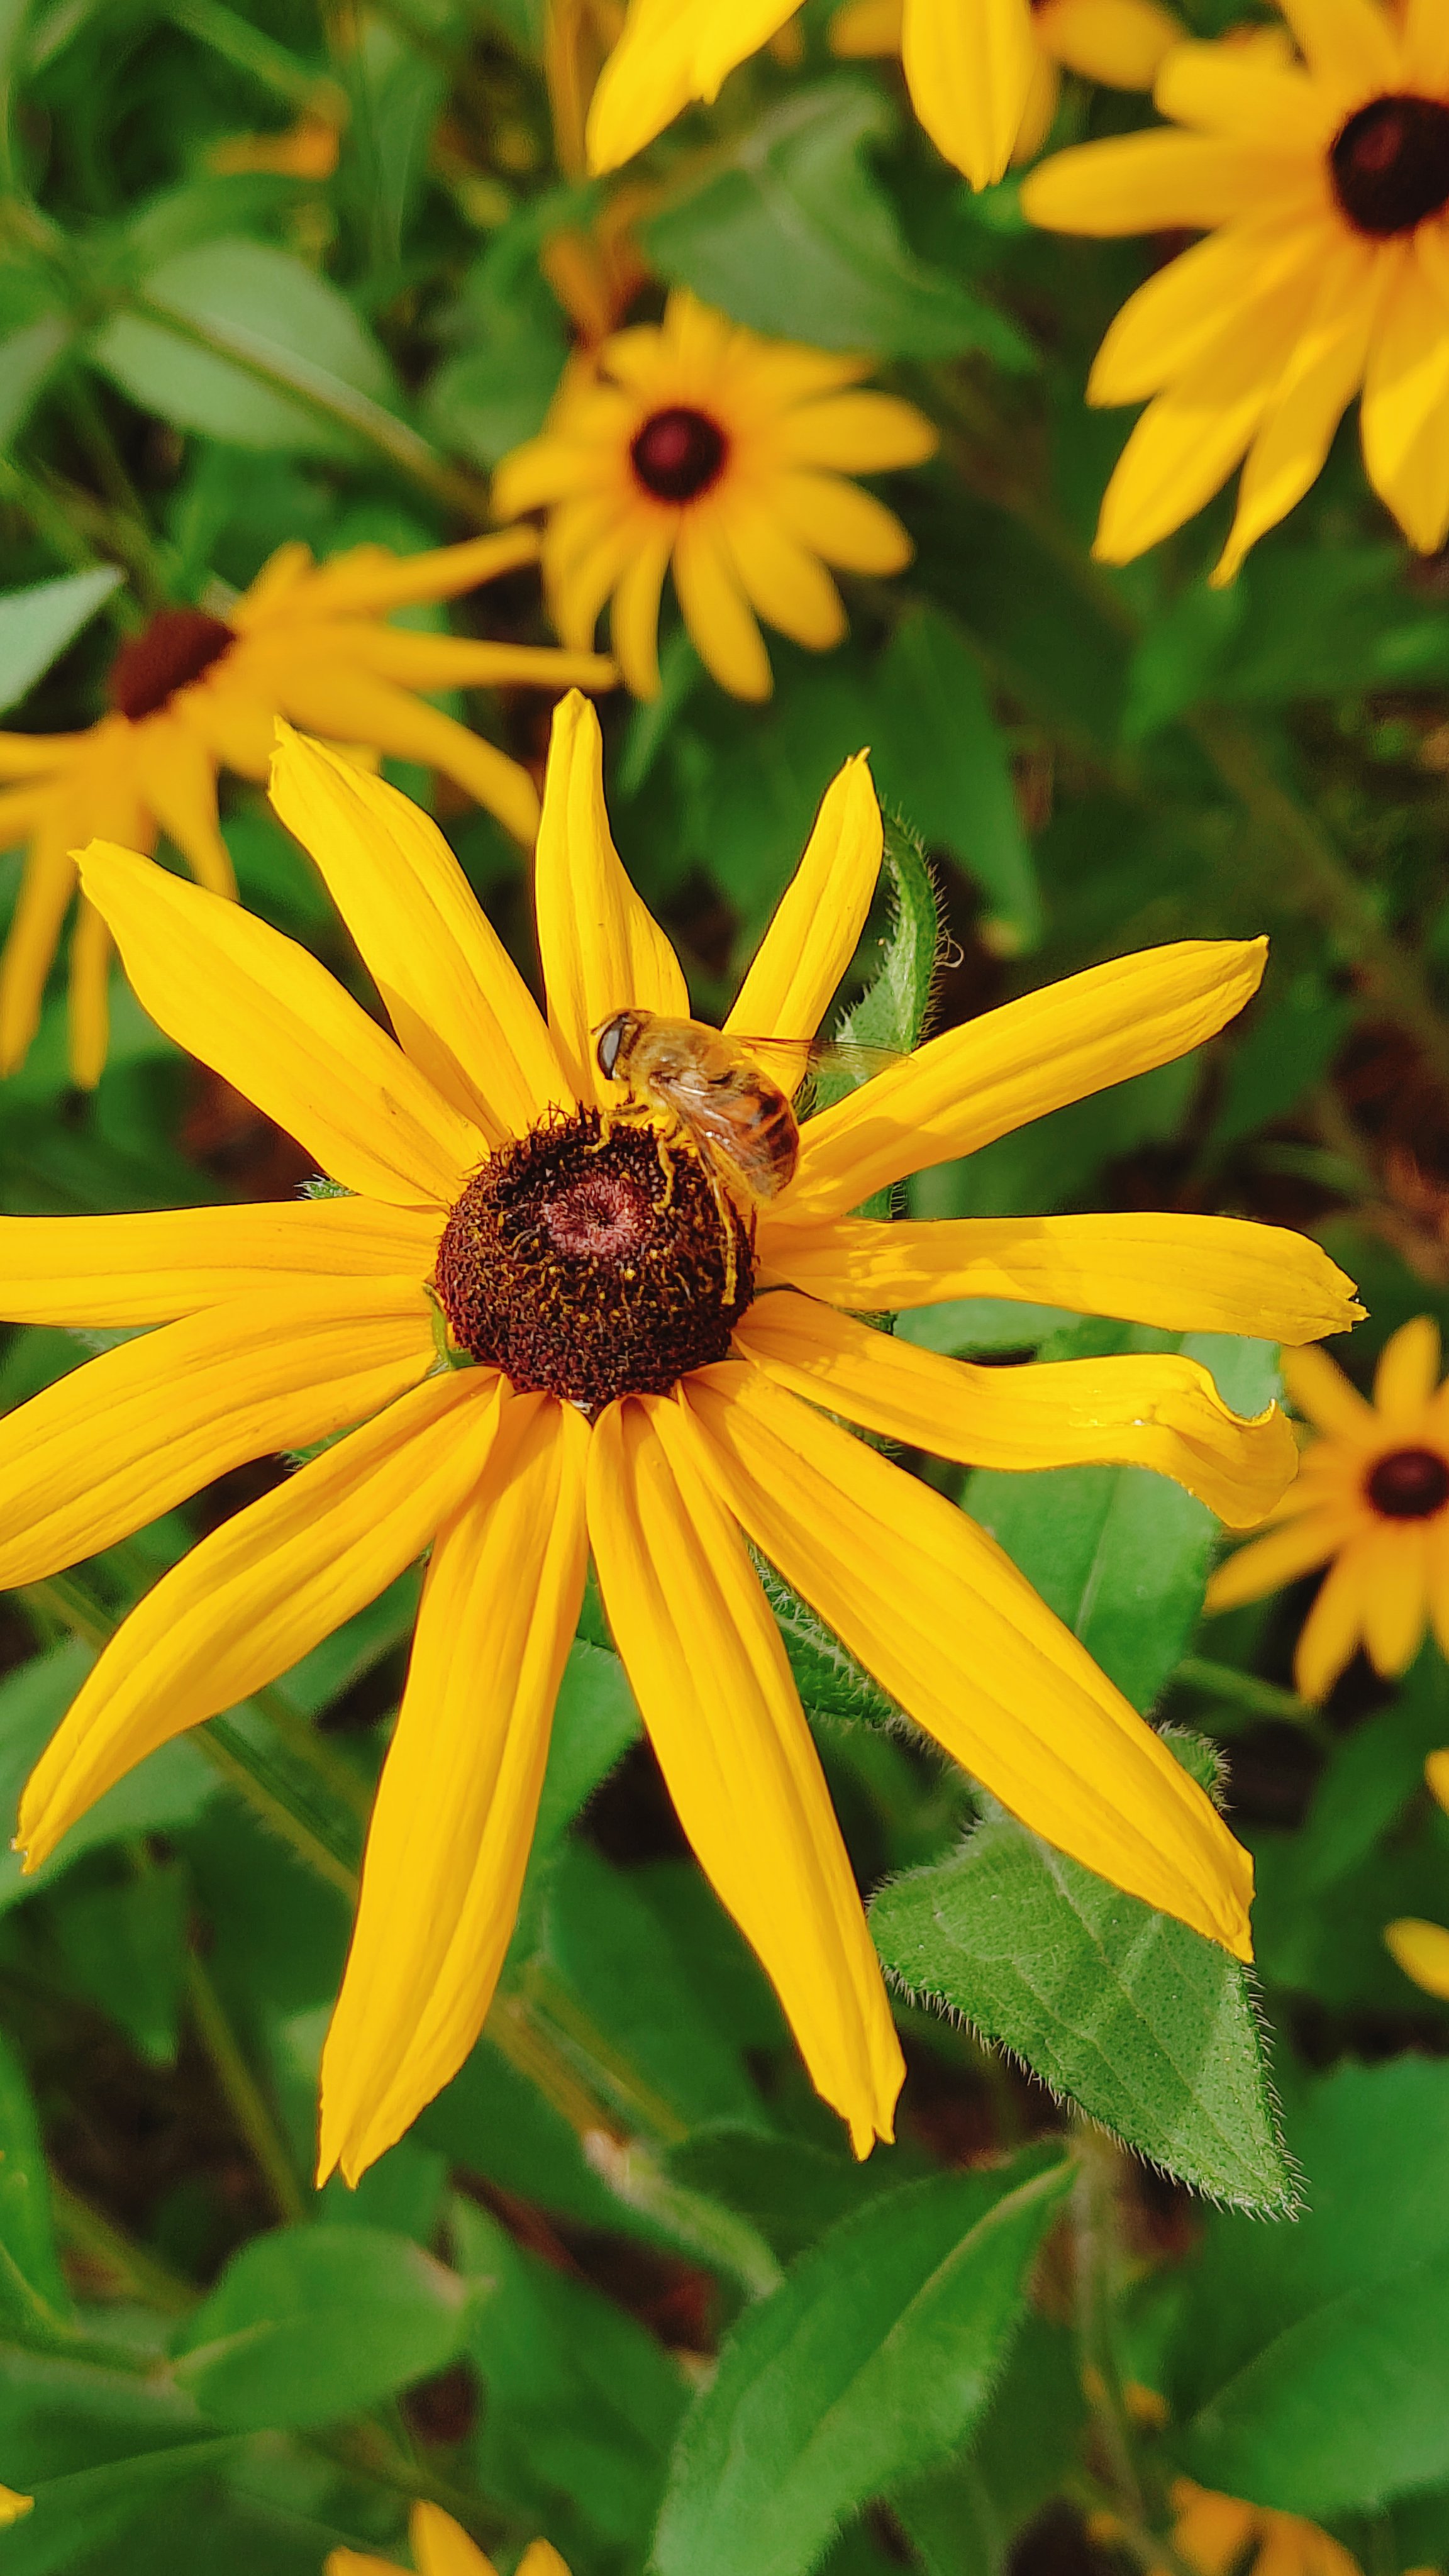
(441, 2547)
(693, 445)
(194, 694)
(1218, 2534)
(974, 68)
(1322, 183)
(1119, 43)
(652, 1367)
(1371, 1501)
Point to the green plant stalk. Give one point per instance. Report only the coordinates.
(1243, 1690)
(136, 2270)
(719, 2236)
(244, 2096)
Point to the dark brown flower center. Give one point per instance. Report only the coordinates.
(678, 453)
(177, 646)
(1390, 164)
(1409, 1484)
(593, 1268)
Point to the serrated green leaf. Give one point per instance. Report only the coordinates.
(892, 1010)
(310, 2324)
(795, 236)
(1143, 2022)
(871, 2364)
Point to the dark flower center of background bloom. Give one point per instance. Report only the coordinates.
(592, 1270)
(678, 453)
(177, 646)
(1409, 1484)
(1390, 164)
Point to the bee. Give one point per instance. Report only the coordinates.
(715, 1087)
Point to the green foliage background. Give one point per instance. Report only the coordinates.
(623, 2283)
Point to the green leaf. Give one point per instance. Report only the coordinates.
(580, 2404)
(892, 1010)
(258, 299)
(125, 1947)
(1309, 2367)
(74, 2515)
(939, 756)
(27, 359)
(962, 2521)
(310, 2324)
(26, 2230)
(796, 237)
(37, 624)
(170, 1788)
(1143, 2022)
(870, 2365)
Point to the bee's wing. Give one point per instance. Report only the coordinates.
(815, 1071)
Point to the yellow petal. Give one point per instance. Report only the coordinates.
(1120, 42)
(1422, 1951)
(817, 923)
(601, 951)
(252, 1598)
(1296, 1548)
(941, 1617)
(1325, 1397)
(370, 580)
(441, 2547)
(1214, 1274)
(540, 2558)
(178, 781)
(1406, 393)
(351, 705)
(14, 2507)
(455, 1809)
(426, 662)
(974, 1083)
(864, 27)
(716, 1693)
(715, 610)
(133, 1433)
(634, 612)
(1436, 1773)
(1426, 46)
(1161, 1411)
(268, 1018)
(1330, 1634)
(969, 71)
(1396, 1595)
(45, 892)
(1190, 438)
(459, 1006)
(1323, 374)
(1154, 182)
(783, 581)
(88, 998)
(1162, 330)
(844, 525)
(358, 2562)
(1348, 42)
(105, 1270)
(858, 433)
(1407, 1373)
(671, 51)
(1231, 90)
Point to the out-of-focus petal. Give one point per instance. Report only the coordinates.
(969, 71)
(1407, 1373)
(1330, 1634)
(671, 51)
(1279, 1557)
(1422, 1951)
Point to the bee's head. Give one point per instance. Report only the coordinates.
(609, 1039)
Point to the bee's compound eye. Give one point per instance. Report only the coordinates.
(610, 1039)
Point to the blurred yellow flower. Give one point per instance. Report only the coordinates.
(1119, 43)
(564, 1334)
(306, 149)
(1371, 1496)
(14, 2507)
(1422, 1949)
(695, 445)
(981, 73)
(1220, 2536)
(194, 694)
(441, 2547)
(1323, 186)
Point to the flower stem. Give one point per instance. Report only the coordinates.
(1243, 1690)
(245, 2099)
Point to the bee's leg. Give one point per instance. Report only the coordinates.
(666, 1166)
(606, 1130)
(726, 1212)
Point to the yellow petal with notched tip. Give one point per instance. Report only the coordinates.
(969, 67)
(1323, 372)
(1163, 329)
(1202, 1274)
(1422, 1951)
(352, 705)
(1156, 1411)
(961, 1090)
(817, 924)
(263, 1014)
(252, 1598)
(1298, 1547)
(131, 1434)
(458, 1003)
(1329, 1636)
(941, 1617)
(107, 1270)
(671, 51)
(601, 950)
(455, 1808)
(715, 1691)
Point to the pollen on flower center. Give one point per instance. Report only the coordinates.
(1409, 1484)
(1390, 164)
(591, 1265)
(177, 646)
(678, 453)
